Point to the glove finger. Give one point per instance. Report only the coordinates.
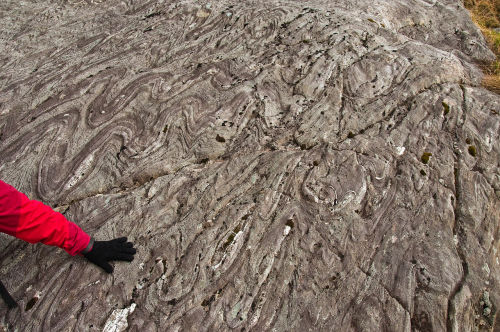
(123, 257)
(120, 240)
(105, 266)
(128, 244)
(128, 250)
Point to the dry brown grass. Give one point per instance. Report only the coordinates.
(492, 83)
(486, 14)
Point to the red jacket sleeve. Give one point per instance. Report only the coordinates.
(32, 221)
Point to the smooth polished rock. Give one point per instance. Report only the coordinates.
(280, 165)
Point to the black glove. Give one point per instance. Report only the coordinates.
(114, 250)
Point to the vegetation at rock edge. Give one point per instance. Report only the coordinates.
(486, 14)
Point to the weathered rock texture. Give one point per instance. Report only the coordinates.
(266, 157)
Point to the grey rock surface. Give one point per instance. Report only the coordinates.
(280, 165)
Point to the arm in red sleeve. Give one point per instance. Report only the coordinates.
(32, 221)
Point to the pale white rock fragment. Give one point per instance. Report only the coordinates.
(400, 150)
(486, 268)
(202, 13)
(212, 71)
(117, 322)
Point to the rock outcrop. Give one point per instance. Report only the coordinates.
(280, 165)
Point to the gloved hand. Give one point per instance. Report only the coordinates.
(114, 250)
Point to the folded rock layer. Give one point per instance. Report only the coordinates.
(280, 165)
